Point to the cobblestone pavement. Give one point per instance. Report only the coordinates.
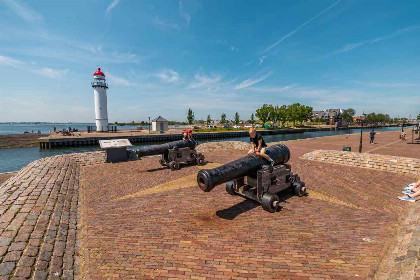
(145, 222)
(38, 218)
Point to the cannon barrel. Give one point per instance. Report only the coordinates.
(207, 179)
(163, 148)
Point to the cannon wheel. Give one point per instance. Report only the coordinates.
(200, 161)
(270, 202)
(174, 165)
(162, 162)
(230, 187)
(299, 188)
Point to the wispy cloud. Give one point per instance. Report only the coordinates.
(203, 81)
(23, 11)
(300, 26)
(261, 59)
(111, 6)
(184, 15)
(168, 76)
(119, 81)
(166, 24)
(387, 85)
(273, 89)
(252, 81)
(46, 72)
(352, 46)
(234, 49)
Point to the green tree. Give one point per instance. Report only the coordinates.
(348, 115)
(263, 113)
(294, 113)
(223, 118)
(282, 114)
(418, 117)
(190, 116)
(252, 120)
(273, 114)
(237, 118)
(208, 119)
(305, 113)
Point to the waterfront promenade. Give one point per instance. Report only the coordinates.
(71, 216)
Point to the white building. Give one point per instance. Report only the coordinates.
(159, 124)
(99, 91)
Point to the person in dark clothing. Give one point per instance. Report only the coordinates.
(258, 145)
(372, 136)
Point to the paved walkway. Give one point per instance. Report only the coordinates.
(38, 223)
(144, 222)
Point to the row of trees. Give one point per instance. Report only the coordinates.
(295, 112)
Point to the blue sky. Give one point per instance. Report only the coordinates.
(162, 57)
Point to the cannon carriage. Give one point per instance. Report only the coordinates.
(173, 154)
(252, 178)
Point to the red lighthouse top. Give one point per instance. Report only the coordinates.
(99, 73)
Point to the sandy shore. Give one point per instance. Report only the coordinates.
(20, 140)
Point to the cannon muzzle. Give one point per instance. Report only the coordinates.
(163, 148)
(207, 179)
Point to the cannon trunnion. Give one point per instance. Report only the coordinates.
(252, 178)
(173, 154)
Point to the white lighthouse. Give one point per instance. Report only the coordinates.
(99, 90)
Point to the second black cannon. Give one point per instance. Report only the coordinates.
(173, 154)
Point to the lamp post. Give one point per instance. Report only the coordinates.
(361, 136)
(149, 125)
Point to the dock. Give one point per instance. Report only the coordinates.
(143, 137)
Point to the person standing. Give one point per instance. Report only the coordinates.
(372, 136)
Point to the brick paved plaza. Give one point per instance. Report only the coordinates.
(136, 220)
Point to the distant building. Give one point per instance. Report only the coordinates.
(330, 116)
(159, 124)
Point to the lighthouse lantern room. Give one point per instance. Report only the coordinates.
(99, 90)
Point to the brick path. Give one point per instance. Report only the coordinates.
(144, 222)
(38, 209)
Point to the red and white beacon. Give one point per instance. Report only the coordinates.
(99, 90)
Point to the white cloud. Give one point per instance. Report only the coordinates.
(168, 76)
(184, 15)
(166, 24)
(46, 72)
(23, 11)
(352, 46)
(51, 73)
(300, 26)
(234, 49)
(261, 59)
(111, 6)
(119, 81)
(207, 82)
(252, 81)
(274, 89)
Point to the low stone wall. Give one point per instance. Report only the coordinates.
(371, 161)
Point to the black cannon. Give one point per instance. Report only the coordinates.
(250, 176)
(173, 153)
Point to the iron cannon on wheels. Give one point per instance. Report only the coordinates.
(173, 154)
(251, 177)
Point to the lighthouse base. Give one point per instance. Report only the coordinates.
(102, 126)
